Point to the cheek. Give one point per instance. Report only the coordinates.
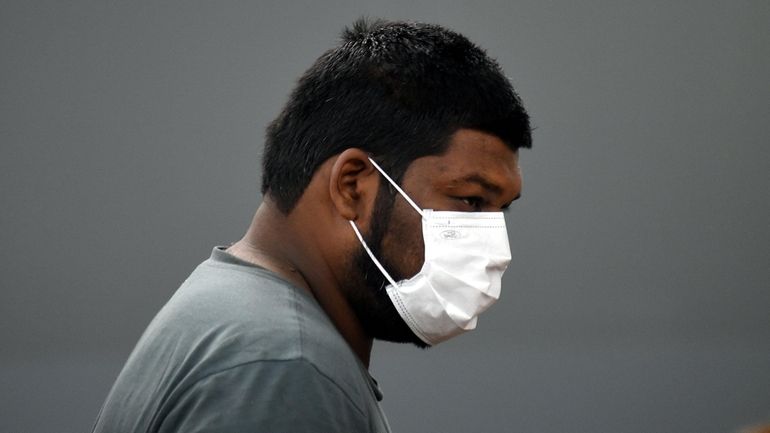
(402, 244)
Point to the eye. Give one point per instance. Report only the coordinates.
(473, 202)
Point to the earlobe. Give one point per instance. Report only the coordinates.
(352, 184)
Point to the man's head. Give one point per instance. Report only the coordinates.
(433, 110)
(396, 90)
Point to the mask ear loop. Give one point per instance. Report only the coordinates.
(371, 255)
(398, 188)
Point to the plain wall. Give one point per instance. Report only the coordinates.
(638, 299)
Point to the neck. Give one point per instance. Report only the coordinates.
(276, 242)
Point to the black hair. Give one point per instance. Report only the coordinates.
(397, 90)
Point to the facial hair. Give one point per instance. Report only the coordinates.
(370, 300)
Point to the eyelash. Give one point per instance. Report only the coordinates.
(474, 202)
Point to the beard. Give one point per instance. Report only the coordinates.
(367, 296)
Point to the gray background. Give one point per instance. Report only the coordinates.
(638, 297)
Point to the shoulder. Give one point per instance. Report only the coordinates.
(235, 338)
(227, 316)
(290, 395)
(253, 315)
(261, 354)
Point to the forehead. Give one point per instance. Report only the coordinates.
(472, 154)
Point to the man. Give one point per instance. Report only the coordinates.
(384, 180)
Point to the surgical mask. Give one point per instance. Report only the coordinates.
(466, 254)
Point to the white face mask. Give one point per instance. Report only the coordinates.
(466, 254)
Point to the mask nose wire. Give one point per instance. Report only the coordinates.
(398, 188)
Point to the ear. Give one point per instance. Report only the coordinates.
(353, 184)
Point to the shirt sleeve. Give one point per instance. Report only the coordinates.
(265, 396)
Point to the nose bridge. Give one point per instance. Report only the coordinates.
(514, 187)
(510, 183)
(517, 179)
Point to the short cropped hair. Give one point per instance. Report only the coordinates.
(397, 90)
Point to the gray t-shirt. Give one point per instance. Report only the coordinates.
(238, 349)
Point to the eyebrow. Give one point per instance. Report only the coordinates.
(479, 179)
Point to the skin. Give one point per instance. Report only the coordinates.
(312, 245)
